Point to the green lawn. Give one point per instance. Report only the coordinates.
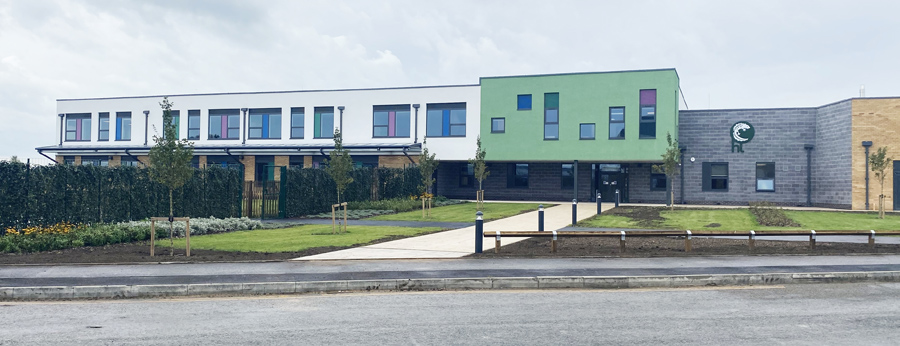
(294, 238)
(463, 212)
(743, 220)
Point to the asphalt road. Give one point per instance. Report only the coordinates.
(797, 315)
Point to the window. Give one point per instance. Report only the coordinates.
(265, 123)
(586, 131)
(568, 176)
(445, 120)
(523, 102)
(648, 114)
(616, 122)
(390, 121)
(69, 160)
(498, 125)
(224, 124)
(765, 176)
(103, 133)
(78, 127)
(551, 116)
(324, 122)
(176, 120)
(715, 176)
(123, 126)
(194, 124)
(517, 175)
(466, 175)
(101, 161)
(297, 118)
(657, 182)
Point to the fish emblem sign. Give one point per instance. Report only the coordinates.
(741, 133)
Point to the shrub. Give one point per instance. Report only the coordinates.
(399, 205)
(768, 215)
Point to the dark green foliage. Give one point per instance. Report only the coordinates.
(45, 195)
(312, 191)
(768, 215)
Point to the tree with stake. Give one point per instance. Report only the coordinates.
(480, 170)
(878, 163)
(427, 166)
(170, 161)
(669, 167)
(339, 165)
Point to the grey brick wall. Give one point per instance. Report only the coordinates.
(780, 137)
(832, 185)
(639, 185)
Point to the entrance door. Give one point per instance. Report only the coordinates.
(896, 185)
(608, 182)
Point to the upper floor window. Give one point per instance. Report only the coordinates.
(616, 122)
(193, 124)
(224, 124)
(498, 125)
(103, 132)
(324, 122)
(523, 102)
(176, 121)
(265, 123)
(586, 131)
(648, 114)
(568, 176)
(765, 176)
(123, 126)
(78, 127)
(390, 121)
(551, 116)
(297, 118)
(446, 120)
(715, 176)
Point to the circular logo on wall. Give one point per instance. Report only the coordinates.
(742, 132)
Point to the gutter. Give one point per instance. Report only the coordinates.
(131, 156)
(228, 152)
(48, 157)
(407, 155)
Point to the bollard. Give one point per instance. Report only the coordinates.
(479, 232)
(541, 218)
(599, 203)
(687, 242)
(752, 241)
(871, 238)
(574, 212)
(553, 243)
(617, 198)
(497, 243)
(622, 243)
(812, 240)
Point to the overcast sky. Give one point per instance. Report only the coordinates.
(729, 54)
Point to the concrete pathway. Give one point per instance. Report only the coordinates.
(387, 223)
(461, 242)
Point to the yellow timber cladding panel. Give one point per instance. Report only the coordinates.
(876, 120)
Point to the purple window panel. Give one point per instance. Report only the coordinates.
(77, 129)
(224, 126)
(391, 117)
(648, 97)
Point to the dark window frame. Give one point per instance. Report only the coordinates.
(120, 126)
(318, 112)
(495, 130)
(266, 119)
(79, 121)
(176, 119)
(193, 114)
(774, 173)
(519, 103)
(641, 119)
(466, 172)
(225, 119)
(567, 182)
(100, 131)
(548, 123)
(611, 121)
(581, 132)
(298, 111)
(709, 179)
(450, 125)
(513, 180)
(657, 177)
(396, 109)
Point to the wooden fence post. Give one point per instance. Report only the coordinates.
(187, 236)
(152, 235)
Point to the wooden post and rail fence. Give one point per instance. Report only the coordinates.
(187, 233)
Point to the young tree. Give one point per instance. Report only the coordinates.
(427, 166)
(339, 165)
(170, 161)
(480, 169)
(878, 163)
(669, 167)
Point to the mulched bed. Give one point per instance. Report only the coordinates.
(672, 247)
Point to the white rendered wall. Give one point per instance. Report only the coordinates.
(357, 124)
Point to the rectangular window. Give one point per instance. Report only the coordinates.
(265, 123)
(586, 131)
(568, 176)
(297, 119)
(176, 120)
(324, 122)
(445, 120)
(765, 176)
(517, 175)
(78, 127)
(194, 124)
(224, 124)
(466, 175)
(390, 121)
(616, 122)
(100, 161)
(103, 134)
(657, 182)
(648, 114)
(551, 116)
(498, 125)
(523, 102)
(123, 126)
(715, 176)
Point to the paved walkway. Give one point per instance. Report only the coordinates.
(461, 242)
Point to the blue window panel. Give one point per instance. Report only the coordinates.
(446, 127)
(265, 126)
(118, 128)
(524, 102)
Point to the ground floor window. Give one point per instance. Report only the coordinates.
(466, 175)
(765, 176)
(715, 176)
(517, 175)
(657, 182)
(568, 176)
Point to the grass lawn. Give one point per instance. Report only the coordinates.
(294, 239)
(463, 212)
(743, 220)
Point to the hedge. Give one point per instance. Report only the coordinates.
(311, 191)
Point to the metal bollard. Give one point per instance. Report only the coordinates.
(479, 232)
(497, 243)
(617, 198)
(574, 212)
(553, 243)
(541, 218)
(599, 203)
(752, 242)
(622, 243)
(812, 240)
(687, 242)
(871, 238)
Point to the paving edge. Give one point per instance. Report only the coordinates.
(435, 284)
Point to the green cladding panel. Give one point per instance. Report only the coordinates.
(581, 98)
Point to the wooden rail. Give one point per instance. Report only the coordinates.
(688, 235)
